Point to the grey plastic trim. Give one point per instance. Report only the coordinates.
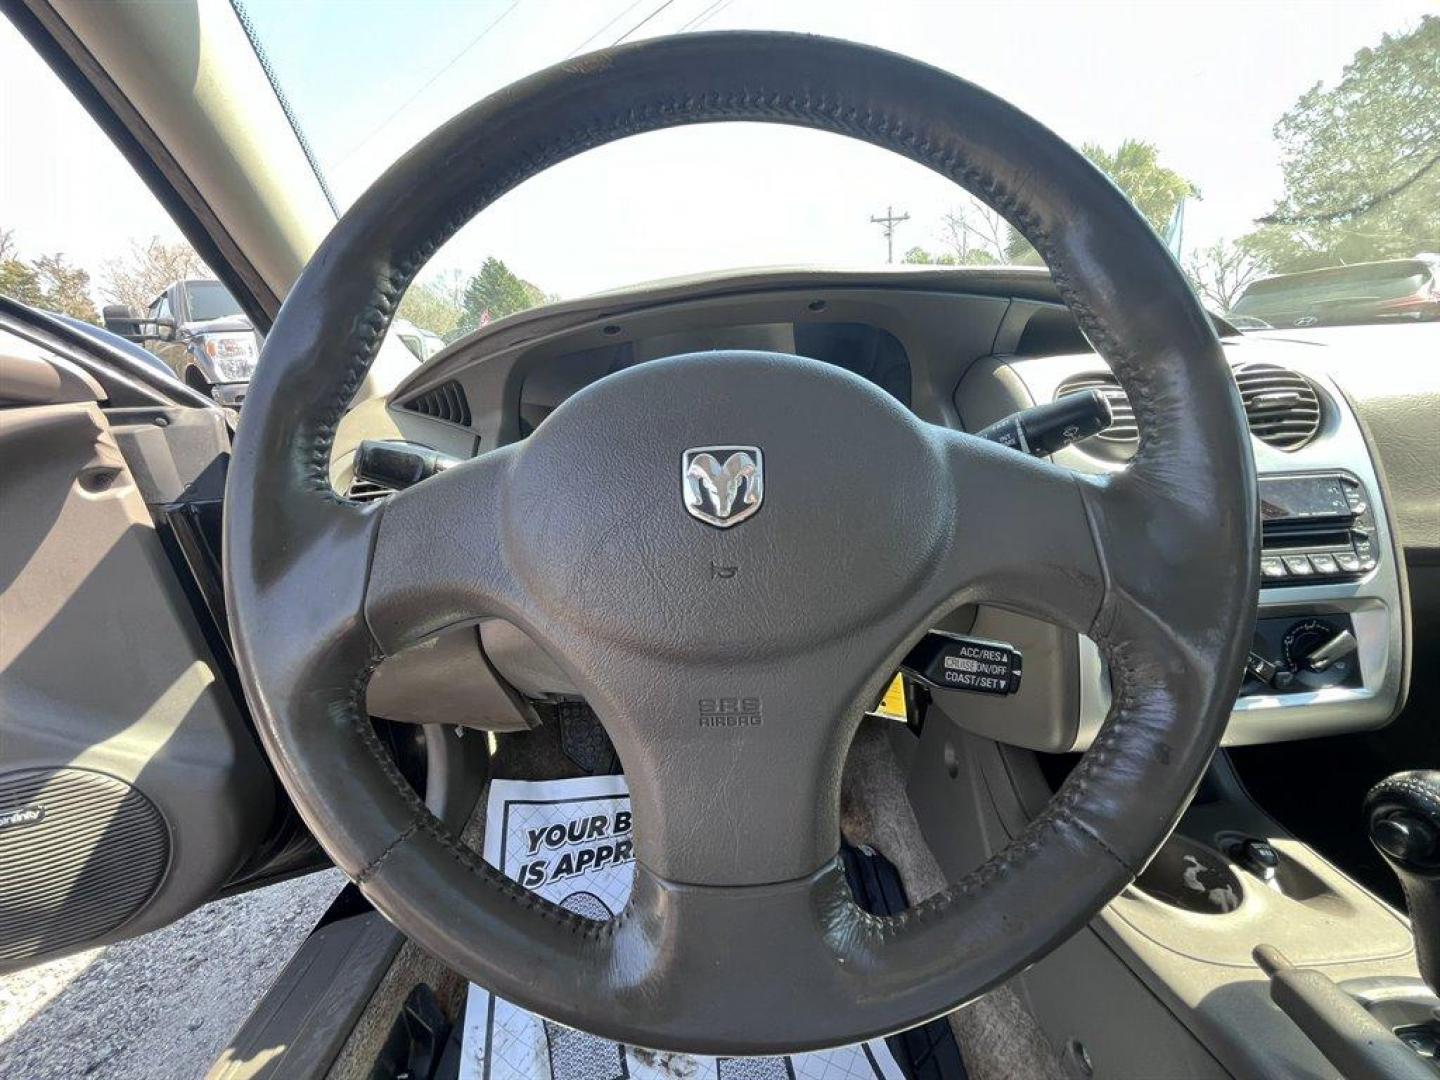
(972, 796)
(31, 376)
(191, 89)
(84, 553)
(944, 322)
(1272, 717)
(266, 66)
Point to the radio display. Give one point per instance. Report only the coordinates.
(1302, 497)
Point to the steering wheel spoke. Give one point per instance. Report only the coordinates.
(1023, 534)
(438, 559)
(734, 769)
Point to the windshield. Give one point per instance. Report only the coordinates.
(1251, 158)
(210, 300)
(1260, 141)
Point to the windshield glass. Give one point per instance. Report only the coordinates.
(1260, 141)
(1252, 160)
(210, 300)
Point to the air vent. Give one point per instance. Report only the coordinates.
(363, 491)
(1281, 405)
(1122, 429)
(444, 402)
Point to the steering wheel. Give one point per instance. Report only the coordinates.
(740, 936)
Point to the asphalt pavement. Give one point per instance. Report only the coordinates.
(161, 1006)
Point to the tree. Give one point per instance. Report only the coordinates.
(49, 283)
(139, 276)
(1134, 166)
(496, 292)
(66, 288)
(437, 305)
(1221, 272)
(1361, 161)
(18, 279)
(1020, 252)
(919, 256)
(974, 235)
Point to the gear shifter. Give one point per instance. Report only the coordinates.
(1403, 813)
(1399, 1036)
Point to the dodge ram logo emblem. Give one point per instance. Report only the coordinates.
(722, 485)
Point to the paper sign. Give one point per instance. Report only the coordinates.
(571, 842)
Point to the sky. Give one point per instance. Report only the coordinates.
(1204, 82)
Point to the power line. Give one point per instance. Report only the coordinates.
(713, 12)
(705, 16)
(613, 20)
(429, 82)
(888, 223)
(642, 22)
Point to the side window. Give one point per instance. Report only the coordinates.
(149, 331)
(80, 235)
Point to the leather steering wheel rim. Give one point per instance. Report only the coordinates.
(737, 941)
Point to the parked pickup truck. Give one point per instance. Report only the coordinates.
(196, 327)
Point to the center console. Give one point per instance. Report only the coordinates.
(1319, 534)
(1173, 955)
(1327, 653)
(1328, 649)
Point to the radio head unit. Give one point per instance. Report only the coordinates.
(1316, 527)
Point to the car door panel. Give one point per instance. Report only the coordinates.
(131, 786)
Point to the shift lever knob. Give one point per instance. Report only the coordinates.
(1403, 814)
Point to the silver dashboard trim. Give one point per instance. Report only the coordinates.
(1095, 693)
(1373, 603)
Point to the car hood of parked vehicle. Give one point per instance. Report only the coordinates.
(229, 324)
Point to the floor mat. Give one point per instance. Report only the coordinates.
(930, 1051)
(997, 1033)
(570, 841)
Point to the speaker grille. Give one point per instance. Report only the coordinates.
(80, 853)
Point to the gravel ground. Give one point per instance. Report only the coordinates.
(161, 1006)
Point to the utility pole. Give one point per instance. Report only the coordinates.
(888, 223)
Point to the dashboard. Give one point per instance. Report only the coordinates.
(868, 351)
(965, 347)
(1311, 454)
